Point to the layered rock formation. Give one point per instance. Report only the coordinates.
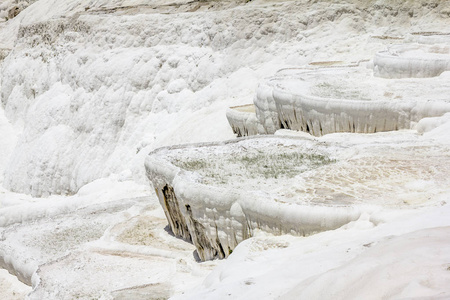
(353, 99)
(350, 100)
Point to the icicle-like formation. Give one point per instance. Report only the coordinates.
(349, 100)
(197, 213)
(218, 194)
(218, 217)
(266, 110)
(243, 120)
(412, 61)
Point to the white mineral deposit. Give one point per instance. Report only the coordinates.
(121, 176)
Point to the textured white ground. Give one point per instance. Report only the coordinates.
(88, 90)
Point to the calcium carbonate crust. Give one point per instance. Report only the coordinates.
(243, 121)
(109, 77)
(216, 218)
(347, 100)
(412, 61)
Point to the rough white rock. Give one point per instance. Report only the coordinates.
(217, 218)
(403, 258)
(11, 288)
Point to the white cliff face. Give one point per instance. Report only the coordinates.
(93, 84)
(73, 94)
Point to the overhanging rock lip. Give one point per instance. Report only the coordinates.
(243, 120)
(219, 218)
(347, 99)
(412, 61)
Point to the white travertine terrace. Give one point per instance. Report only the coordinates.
(89, 88)
(412, 61)
(218, 194)
(355, 99)
(349, 100)
(243, 120)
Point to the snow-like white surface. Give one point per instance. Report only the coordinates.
(89, 88)
(34, 216)
(11, 288)
(7, 141)
(135, 255)
(111, 237)
(430, 38)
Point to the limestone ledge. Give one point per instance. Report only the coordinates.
(217, 218)
(347, 100)
(243, 120)
(412, 61)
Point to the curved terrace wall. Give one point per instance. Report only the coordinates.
(217, 195)
(217, 218)
(348, 100)
(412, 61)
(243, 120)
